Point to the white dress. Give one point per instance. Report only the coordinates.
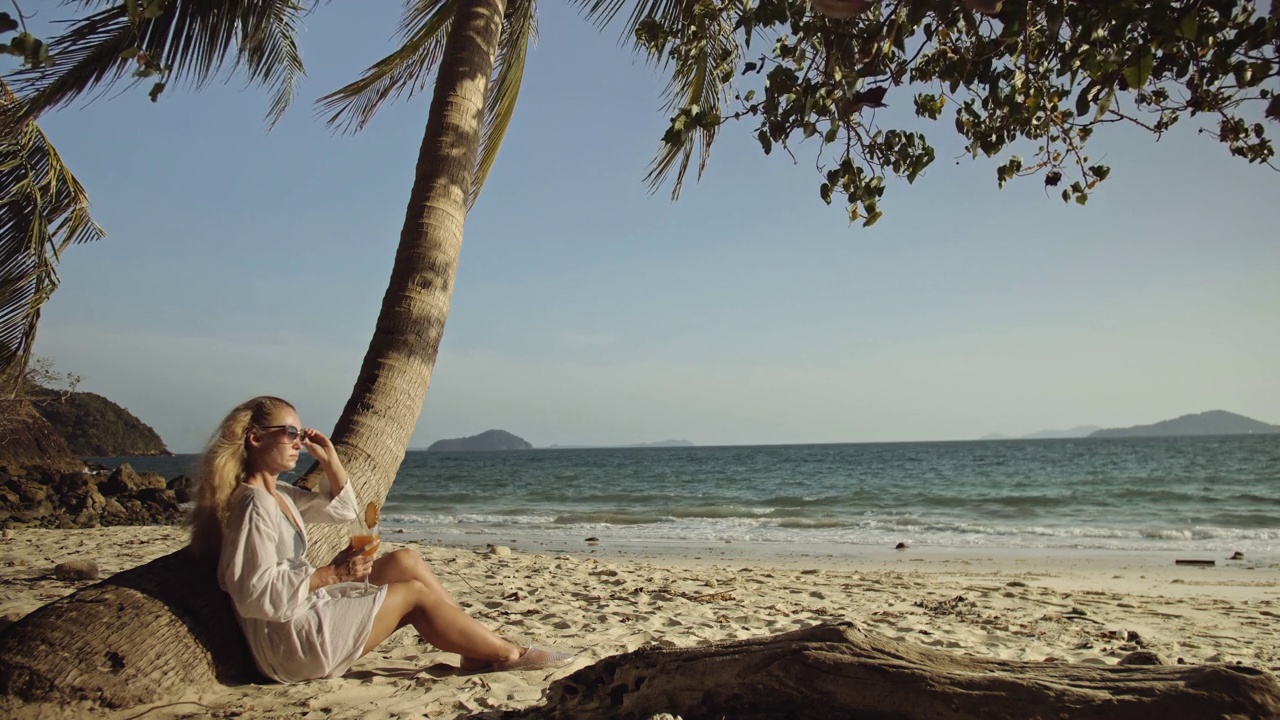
(295, 635)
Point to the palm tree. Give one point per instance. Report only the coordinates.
(43, 210)
(471, 41)
(465, 128)
(191, 635)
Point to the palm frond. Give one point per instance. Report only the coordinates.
(43, 209)
(424, 26)
(697, 79)
(519, 31)
(601, 12)
(193, 41)
(276, 61)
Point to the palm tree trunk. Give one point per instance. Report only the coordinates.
(142, 635)
(165, 627)
(374, 430)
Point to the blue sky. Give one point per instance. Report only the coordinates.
(588, 311)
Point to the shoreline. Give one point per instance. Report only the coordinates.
(841, 554)
(1091, 608)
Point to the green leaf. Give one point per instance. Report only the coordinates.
(1082, 103)
(1189, 28)
(825, 193)
(872, 219)
(1104, 104)
(128, 53)
(1139, 71)
(1081, 199)
(765, 143)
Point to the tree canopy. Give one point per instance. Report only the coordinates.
(1026, 82)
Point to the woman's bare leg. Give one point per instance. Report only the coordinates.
(404, 565)
(439, 622)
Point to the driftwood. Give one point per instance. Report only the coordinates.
(837, 671)
(143, 635)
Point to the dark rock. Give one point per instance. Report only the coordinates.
(1237, 555)
(134, 512)
(76, 570)
(124, 481)
(31, 491)
(161, 498)
(593, 539)
(113, 513)
(78, 492)
(32, 513)
(1142, 657)
(8, 619)
(86, 518)
(900, 546)
(57, 498)
(184, 488)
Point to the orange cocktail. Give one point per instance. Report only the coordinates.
(361, 540)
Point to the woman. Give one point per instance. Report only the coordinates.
(304, 622)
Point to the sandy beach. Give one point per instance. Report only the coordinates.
(1085, 607)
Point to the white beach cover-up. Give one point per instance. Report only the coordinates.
(294, 635)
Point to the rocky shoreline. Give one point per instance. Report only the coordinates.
(41, 497)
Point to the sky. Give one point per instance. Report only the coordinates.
(589, 311)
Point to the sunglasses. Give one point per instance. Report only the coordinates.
(290, 431)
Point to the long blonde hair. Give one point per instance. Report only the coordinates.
(222, 467)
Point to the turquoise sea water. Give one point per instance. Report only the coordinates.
(1215, 493)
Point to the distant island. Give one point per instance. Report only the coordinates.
(658, 444)
(1213, 422)
(1075, 432)
(487, 440)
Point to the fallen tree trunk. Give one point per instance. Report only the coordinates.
(141, 636)
(837, 671)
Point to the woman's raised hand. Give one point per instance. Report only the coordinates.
(318, 446)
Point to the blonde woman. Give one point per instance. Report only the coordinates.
(304, 622)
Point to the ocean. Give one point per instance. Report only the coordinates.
(1218, 494)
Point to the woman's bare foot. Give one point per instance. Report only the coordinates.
(536, 658)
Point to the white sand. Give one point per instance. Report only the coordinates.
(1084, 607)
